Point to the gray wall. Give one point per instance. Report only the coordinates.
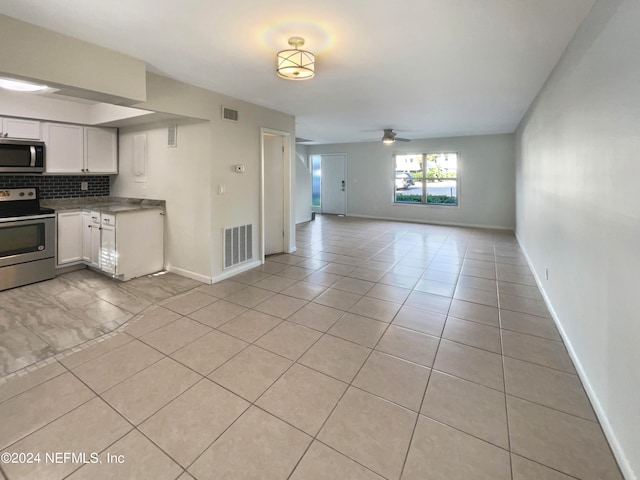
(578, 211)
(188, 176)
(486, 180)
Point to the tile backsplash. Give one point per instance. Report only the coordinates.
(59, 186)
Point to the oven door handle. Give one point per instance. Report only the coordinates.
(32, 149)
(25, 218)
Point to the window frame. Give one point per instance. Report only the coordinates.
(424, 195)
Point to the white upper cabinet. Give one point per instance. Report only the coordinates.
(101, 150)
(64, 147)
(74, 149)
(19, 128)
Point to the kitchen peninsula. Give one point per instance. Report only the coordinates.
(121, 237)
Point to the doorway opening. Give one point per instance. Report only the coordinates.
(329, 184)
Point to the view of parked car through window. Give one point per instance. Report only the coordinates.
(426, 178)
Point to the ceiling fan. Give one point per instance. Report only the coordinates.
(389, 136)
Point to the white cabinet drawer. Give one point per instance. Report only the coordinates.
(108, 219)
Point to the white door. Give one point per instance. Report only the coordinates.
(333, 191)
(273, 193)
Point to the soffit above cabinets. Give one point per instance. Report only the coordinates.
(61, 108)
(73, 66)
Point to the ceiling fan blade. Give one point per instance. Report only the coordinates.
(402, 139)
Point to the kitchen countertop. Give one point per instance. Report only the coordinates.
(103, 204)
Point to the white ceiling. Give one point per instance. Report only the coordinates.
(427, 68)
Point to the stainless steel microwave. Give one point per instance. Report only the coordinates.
(21, 156)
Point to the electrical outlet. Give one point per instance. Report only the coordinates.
(84, 186)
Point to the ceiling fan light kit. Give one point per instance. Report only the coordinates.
(296, 64)
(389, 136)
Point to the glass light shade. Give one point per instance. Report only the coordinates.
(388, 140)
(296, 64)
(20, 86)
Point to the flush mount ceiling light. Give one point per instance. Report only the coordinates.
(20, 86)
(296, 64)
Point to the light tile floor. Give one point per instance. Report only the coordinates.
(379, 350)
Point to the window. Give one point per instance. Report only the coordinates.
(427, 178)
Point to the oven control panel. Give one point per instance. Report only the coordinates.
(12, 194)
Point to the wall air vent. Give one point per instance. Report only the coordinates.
(229, 114)
(172, 136)
(237, 245)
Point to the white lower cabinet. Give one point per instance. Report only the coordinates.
(70, 238)
(86, 236)
(108, 261)
(133, 243)
(91, 238)
(124, 245)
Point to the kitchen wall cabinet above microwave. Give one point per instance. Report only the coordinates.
(19, 128)
(77, 149)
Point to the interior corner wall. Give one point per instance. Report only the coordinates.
(578, 211)
(180, 176)
(486, 180)
(188, 177)
(303, 185)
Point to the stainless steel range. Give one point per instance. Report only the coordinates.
(27, 238)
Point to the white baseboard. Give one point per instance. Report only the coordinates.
(235, 271)
(190, 274)
(609, 433)
(425, 222)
